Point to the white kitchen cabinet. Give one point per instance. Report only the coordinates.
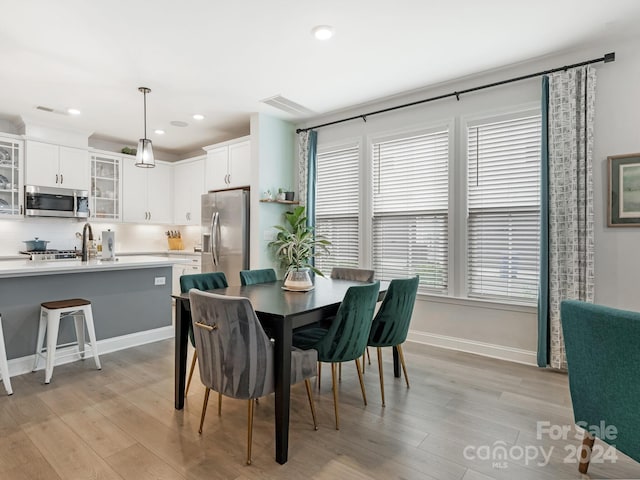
(188, 186)
(106, 186)
(228, 165)
(147, 193)
(53, 165)
(180, 269)
(11, 182)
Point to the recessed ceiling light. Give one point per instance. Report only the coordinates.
(198, 116)
(323, 32)
(159, 131)
(73, 111)
(179, 123)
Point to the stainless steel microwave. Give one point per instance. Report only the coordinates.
(55, 202)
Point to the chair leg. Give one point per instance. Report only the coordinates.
(4, 366)
(364, 355)
(88, 318)
(319, 374)
(404, 365)
(78, 321)
(585, 452)
(340, 372)
(307, 383)
(40, 342)
(249, 430)
(204, 408)
(193, 366)
(381, 373)
(335, 394)
(53, 325)
(219, 404)
(368, 358)
(364, 394)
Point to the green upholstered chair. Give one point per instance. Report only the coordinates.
(236, 356)
(391, 324)
(263, 275)
(346, 338)
(201, 281)
(603, 359)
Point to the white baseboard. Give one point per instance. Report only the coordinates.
(471, 346)
(19, 366)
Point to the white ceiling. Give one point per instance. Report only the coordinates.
(222, 58)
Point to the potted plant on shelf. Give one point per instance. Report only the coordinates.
(295, 245)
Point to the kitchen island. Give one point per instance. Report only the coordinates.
(131, 298)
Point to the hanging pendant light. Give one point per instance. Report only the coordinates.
(144, 157)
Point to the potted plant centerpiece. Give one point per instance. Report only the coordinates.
(295, 245)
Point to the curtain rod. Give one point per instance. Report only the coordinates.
(608, 57)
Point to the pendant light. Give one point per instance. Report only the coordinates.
(144, 156)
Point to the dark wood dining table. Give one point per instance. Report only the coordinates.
(280, 312)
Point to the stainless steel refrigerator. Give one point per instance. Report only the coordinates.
(225, 233)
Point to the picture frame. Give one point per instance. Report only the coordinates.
(624, 191)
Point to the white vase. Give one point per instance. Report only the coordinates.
(298, 280)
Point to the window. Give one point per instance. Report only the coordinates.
(337, 206)
(410, 202)
(504, 209)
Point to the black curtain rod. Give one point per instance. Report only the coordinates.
(608, 57)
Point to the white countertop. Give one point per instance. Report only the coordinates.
(23, 268)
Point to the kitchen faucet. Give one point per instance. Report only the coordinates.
(85, 250)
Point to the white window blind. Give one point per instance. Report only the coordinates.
(504, 209)
(410, 209)
(337, 197)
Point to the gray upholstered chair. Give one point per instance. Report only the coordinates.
(236, 358)
(355, 274)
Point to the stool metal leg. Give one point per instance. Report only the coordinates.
(4, 367)
(88, 317)
(53, 325)
(78, 320)
(42, 328)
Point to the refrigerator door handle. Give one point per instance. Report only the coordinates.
(215, 226)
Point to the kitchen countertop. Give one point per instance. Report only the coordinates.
(23, 268)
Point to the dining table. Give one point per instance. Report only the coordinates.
(280, 312)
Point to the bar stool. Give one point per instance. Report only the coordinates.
(50, 315)
(4, 367)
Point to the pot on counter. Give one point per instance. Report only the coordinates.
(36, 245)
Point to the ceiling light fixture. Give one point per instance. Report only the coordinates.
(198, 116)
(73, 111)
(144, 157)
(159, 132)
(323, 32)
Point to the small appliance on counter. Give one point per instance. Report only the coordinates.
(49, 255)
(108, 245)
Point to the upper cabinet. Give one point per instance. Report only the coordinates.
(52, 165)
(10, 177)
(188, 186)
(106, 186)
(228, 165)
(147, 193)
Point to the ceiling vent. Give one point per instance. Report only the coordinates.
(286, 105)
(44, 109)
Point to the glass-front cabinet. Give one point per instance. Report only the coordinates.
(106, 187)
(10, 177)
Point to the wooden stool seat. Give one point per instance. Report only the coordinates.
(51, 313)
(70, 303)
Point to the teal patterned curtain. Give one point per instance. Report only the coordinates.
(570, 200)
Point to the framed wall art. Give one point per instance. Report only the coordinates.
(624, 190)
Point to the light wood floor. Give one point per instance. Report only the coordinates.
(119, 423)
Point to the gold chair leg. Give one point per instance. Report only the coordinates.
(219, 404)
(249, 431)
(363, 355)
(380, 373)
(585, 452)
(307, 383)
(319, 374)
(204, 408)
(193, 365)
(335, 394)
(364, 394)
(404, 366)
